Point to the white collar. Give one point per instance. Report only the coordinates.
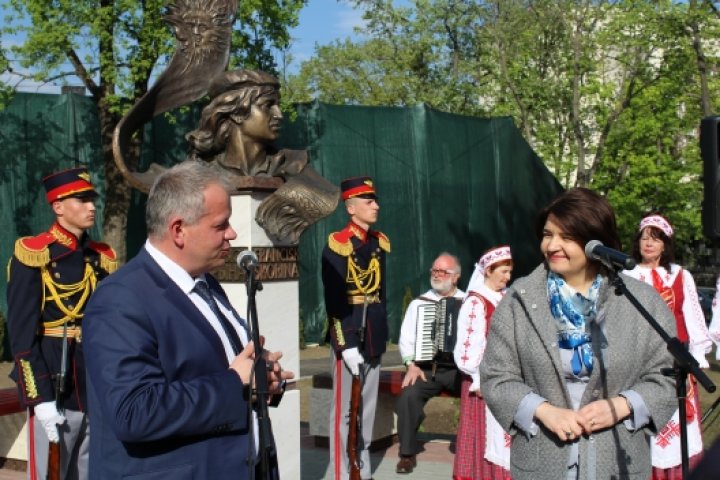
(176, 273)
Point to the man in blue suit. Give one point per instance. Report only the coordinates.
(168, 359)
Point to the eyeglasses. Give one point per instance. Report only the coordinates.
(440, 271)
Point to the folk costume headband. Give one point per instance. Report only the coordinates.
(492, 256)
(658, 222)
(488, 259)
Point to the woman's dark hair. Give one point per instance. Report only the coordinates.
(584, 215)
(666, 257)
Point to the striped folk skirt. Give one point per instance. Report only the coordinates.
(470, 462)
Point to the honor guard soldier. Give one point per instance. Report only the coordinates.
(50, 278)
(353, 273)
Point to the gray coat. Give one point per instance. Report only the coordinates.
(522, 356)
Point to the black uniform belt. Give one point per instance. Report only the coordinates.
(72, 332)
(360, 299)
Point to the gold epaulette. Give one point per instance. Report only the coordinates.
(383, 240)
(339, 242)
(108, 265)
(34, 251)
(108, 257)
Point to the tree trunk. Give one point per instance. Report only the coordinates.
(117, 190)
(700, 59)
(582, 179)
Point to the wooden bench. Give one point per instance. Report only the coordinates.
(9, 402)
(385, 428)
(390, 382)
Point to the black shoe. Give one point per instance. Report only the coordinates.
(406, 464)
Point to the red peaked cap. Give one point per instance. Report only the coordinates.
(74, 182)
(357, 187)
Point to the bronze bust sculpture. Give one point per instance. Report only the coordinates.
(237, 128)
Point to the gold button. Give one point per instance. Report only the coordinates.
(57, 275)
(54, 264)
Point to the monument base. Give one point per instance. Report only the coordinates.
(278, 317)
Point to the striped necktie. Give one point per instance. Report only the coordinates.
(202, 289)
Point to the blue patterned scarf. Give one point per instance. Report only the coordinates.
(572, 312)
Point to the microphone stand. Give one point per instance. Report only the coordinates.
(684, 363)
(260, 373)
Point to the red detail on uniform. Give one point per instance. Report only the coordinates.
(343, 236)
(352, 230)
(77, 186)
(359, 190)
(65, 234)
(338, 417)
(31, 447)
(38, 243)
(103, 249)
(378, 235)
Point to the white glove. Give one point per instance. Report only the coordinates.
(475, 386)
(353, 359)
(49, 417)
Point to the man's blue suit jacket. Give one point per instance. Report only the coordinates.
(162, 401)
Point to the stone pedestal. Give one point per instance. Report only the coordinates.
(278, 315)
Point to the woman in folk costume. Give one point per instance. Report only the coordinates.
(653, 249)
(483, 447)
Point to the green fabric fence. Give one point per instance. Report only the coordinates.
(446, 182)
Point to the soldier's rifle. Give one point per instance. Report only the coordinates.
(354, 426)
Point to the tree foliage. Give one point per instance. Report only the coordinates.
(609, 93)
(5, 90)
(114, 46)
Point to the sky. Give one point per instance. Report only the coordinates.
(321, 22)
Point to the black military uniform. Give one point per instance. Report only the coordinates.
(353, 266)
(353, 273)
(50, 278)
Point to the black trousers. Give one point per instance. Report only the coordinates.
(410, 404)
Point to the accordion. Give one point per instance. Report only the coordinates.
(436, 331)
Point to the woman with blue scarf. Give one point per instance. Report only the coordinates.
(571, 370)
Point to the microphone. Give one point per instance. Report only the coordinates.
(595, 250)
(247, 260)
